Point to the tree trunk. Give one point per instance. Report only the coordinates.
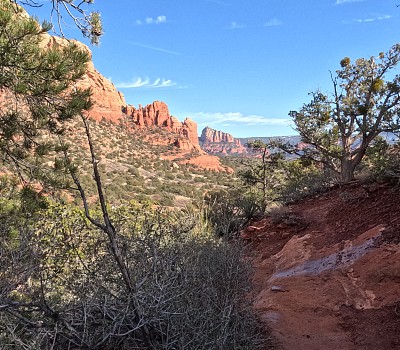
(347, 170)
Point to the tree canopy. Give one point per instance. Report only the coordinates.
(339, 127)
(36, 84)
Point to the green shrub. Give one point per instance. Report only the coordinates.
(230, 210)
(302, 181)
(170, 176)
(383, 162)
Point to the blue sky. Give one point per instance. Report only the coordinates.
(236, 65)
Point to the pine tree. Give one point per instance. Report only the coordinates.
(37, 86)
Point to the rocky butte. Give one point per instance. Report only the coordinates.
(157, 114)
(221, 143)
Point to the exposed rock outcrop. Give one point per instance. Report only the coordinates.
(110, 104)
(108, 101)
(154, 114)
(209, 135)
(332, 271)
(189, 130)
(157, 114)
(208, 162)
(218, 142)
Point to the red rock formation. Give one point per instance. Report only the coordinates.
(157, 114)
(208, 162)
(218, 142)
(110, 104)
(209, 135)
(189, 130)
(108, 101)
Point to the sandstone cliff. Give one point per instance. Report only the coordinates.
(110, 104)
(157, 114)
(218, 142)
(209, 135)
(108, 100)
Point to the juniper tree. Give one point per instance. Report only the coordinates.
(340, 127)
(266, 174)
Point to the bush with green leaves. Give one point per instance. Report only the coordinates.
(383, 161)
(303, 178)
(230, 210)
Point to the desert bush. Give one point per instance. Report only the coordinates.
(282, 215)
(199, 179)
(170, 176)
(303, 180)
(64, 291)
(383, 162)
(166, 200)
(230, 210)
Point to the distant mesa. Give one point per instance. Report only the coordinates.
(220, 143)
(209, 135)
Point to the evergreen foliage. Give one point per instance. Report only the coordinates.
(339, 128)
(37, 86)
(89, 23)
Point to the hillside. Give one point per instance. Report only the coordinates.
(136, 164)
(144, 152)
(327, 270)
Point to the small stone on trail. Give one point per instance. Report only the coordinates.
(278, 289)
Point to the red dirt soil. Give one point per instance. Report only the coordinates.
(327, 270)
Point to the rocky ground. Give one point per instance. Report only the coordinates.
(327, 270)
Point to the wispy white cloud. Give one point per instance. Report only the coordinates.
(139, 82)
(369, 19)
(235, 25)
(152, 20)
(341, 2)
(212, 119)
(273, 22)
(154, 48)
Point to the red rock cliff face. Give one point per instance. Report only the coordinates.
(108, 101)
(209, 135)
(218, 142)
(110, 104)
(157, 114)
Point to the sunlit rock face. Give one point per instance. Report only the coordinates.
(108, 101)
(218, 142)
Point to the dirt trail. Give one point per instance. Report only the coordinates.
(327, 270)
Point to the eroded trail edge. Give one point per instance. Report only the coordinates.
(327, 271)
